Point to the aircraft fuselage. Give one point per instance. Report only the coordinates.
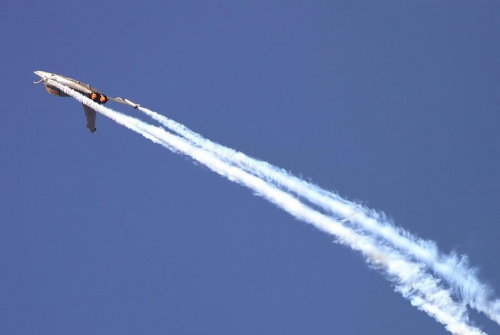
(84, 89)
(76, 85)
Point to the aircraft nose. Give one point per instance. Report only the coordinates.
(42, 74)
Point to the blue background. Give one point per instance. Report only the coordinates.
(391, 103)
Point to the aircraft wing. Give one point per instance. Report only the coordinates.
(90, 114)
(125, 102)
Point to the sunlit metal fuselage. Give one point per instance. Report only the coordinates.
(76, 85)
(82, 88)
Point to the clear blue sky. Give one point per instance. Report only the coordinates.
(392, 103)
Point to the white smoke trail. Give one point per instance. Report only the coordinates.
(450, 267)
(411, 279)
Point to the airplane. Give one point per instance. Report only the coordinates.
(85, 89)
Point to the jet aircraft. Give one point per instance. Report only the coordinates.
(85, 89)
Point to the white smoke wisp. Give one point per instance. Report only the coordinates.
(454, 269)
(411, 280)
